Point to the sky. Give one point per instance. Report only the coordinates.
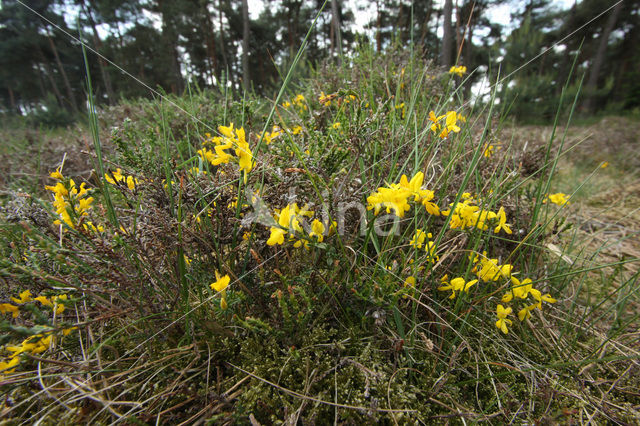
(499, 13)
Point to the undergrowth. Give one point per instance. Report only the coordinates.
(365, 249)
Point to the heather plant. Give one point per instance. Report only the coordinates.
(357, 250)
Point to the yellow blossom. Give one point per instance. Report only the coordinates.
(44, 301)
(410, 282)
(24, 297)
(221, 283)
(56, 174)
(59, 307)
(392, 199)
(488, 151)
(456, 284)
(131, 183)
(559, 199)
(317, 230)
(503, 321)
(6, 308)
(9, 367)
(226, 130)
(459, 71)
(450, 125)
(418, 239)
(278, 233)
(525, 312)
(502, 222)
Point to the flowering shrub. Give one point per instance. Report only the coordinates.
(362, 238)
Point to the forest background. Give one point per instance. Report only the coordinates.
(147, 47)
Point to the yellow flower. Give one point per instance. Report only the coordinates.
(84, 204)
(458, 70)
(430, 248)
(296, 130)
(58, 189)
(44, 301)
(59, 307)
(414, 185)
(25, 297)
(276, 237)
(410, 282)
(435, 126)
(67, 331)
(89, 226)
(559, 199)
(502, 222)
(317, 230)
(503, 321)
(131, 182)
(456, 284)
(521, 289)
(221, 284)
(392, 198)
(418, 239)
(604, 165)
(286, 104)
(270, 136)
(336, 125)
(525, 312)
(56, 174)
(220, 156)
(226, 131)
(491, 271)
(114, 177)
(326, 99)
(278, 233)
(6, 308)
(450, 124)
(450, 117)
(9, 367)
(43, 344)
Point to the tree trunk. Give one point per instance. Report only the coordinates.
(598, 60)
(425, 24)
(170, 44)
(336, 38)
(459, 35)
(210, 41)
(102, 64)
(65, 79)
(379, 25)
(223, 50)
(468, 51)
(12, 101)
(246, 81)
(41, 81)
(49, 74)
(447, 34)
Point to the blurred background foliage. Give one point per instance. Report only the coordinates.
(172, 46)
